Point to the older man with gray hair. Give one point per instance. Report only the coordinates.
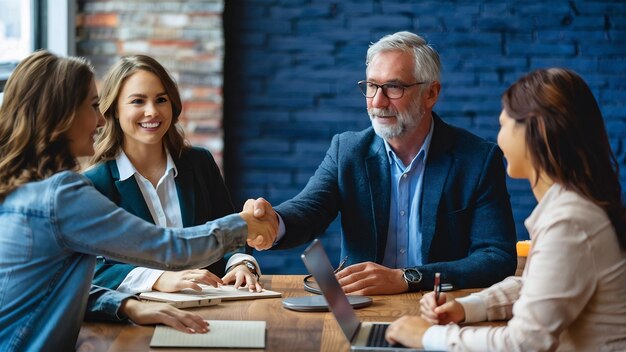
(416, 195)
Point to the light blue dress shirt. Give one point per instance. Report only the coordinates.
(51, 232)
(404, 238)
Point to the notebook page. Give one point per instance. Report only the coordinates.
(222, 333)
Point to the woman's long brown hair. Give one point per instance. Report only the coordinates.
(566, 138)
(38, 108)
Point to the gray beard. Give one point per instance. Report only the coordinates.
(405, 121)
(389, 132)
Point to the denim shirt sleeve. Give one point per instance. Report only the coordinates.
(104, 304)
(85, 221)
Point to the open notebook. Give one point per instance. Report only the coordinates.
(210, 295)
(222, 334)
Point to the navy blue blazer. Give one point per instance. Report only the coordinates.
(468, 232)
(202, 194)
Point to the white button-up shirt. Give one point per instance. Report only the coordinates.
(164, 206)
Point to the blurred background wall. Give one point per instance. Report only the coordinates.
(184, 36)
(290, 69)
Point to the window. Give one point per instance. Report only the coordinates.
(25, 26)
(15, 30)
(16, 40)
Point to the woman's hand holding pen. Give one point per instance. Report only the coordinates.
(442, 312)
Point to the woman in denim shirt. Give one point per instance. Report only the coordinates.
(54, 222)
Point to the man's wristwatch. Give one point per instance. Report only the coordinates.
(251, 266)
(413, 277)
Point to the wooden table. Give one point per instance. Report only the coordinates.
(286, 330)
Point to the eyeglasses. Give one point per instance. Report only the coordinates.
(390, 90)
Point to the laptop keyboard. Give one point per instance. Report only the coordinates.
(376, 337)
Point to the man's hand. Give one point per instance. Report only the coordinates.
(262, 223)
(407, 331)
(148, 313)
(371, 279)
(263, 208)
(173, 281)
(242, 277)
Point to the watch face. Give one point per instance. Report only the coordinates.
(412, 275)
(250, 266)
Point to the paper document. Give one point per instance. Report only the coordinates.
(222, 334)
(190, 298)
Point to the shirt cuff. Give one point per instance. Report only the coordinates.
(104, 304)
(140, 280)
(281, 229)
(237, 258)
(118, 313)
(435, 338)
(475, 308)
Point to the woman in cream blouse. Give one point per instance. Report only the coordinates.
(572, 294)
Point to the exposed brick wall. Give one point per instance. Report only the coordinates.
(186, 37)
(291, 68)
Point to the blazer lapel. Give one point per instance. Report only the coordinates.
(438, 164)
(379, 176)
(133, 198)
(186, 192)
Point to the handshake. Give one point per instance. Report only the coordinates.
(262, 223)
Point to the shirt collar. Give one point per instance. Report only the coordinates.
(423, 150)
(552, 193)
(127, 169)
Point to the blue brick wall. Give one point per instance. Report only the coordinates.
(291, 68)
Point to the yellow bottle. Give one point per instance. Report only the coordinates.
(523, 248)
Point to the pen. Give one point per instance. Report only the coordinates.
(437, 287)
(343, 262)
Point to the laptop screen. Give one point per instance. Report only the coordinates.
(318, 264)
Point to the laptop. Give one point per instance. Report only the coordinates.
(362, 336)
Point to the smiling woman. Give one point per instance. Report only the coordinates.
(144, 111)
(144, 166)
(124, 94)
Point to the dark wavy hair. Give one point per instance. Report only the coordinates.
(566, 138)
(39, 105)
(111, 137)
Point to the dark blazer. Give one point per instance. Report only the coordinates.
(201, 190)
(466, 220)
